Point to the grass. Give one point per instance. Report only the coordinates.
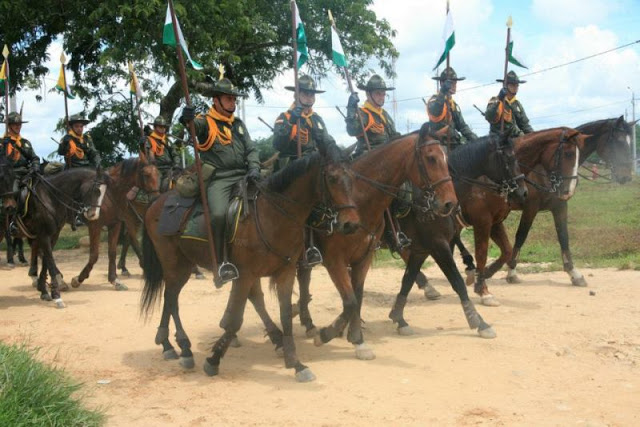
(34, 394)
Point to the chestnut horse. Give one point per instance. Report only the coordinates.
(124, 175)
(434, 235)
(417, 157)
(611, 139)
(268, 241)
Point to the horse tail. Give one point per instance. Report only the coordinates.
(153, 274)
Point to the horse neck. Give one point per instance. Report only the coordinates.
(121, 184)
(599, 132)
(529, 148)
(388, 165)
(304, 192)
(472, 161)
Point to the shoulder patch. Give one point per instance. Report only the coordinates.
(319, 123)
(241, 130)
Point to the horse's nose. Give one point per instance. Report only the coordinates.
(449, 207)
(348, 227)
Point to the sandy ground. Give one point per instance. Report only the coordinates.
(562, 356)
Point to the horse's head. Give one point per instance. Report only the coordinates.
(506, 169)
(561, 160)
(615, 149)
(430, 172)
(148, 178)
(93, 191)
(6, 185)
(336, 188)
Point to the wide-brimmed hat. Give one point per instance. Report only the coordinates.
(375, 83)
(448, 74)
(14, 119)
(160, 121)
(306, 84)
(512, 79)
(225, 87)
(78, 118)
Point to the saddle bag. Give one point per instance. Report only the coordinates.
(187, 184)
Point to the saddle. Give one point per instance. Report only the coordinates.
(176, 211)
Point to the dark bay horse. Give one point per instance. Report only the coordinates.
(115, 211)
(433, 235)
(611, 139)
(268, 242)
(51, 202)
(417, 157)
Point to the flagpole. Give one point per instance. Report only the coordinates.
(194, 138)
(506, 64)
(5, 53)
(135, 81)
(446, 14)
(294, 7)
(63, 59)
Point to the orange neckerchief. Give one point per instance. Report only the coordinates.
(372, 125)
(378, 110)
(508, 112)
(158, 149)
(74, 150)
(304, 133)
(223, 136)
(447, 109)
(12, 152)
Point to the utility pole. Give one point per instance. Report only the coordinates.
(633, 132)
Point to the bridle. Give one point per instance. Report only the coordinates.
(555, 177)
(613, 130)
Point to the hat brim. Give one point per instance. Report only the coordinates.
(16, 123)
(511, 82)
(293, 89)
(457, 79)
(371, 89)
(83, 121)
(157, 124)
(231, 92)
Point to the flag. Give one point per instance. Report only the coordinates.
(3, 77)
(168, 37)
(61, 86)
(301, 38)
(448, 38)
(336, 47)
(134, 89)
(513, 59)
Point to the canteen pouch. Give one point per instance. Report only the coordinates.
(187, 184)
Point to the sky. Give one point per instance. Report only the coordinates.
(546, 33)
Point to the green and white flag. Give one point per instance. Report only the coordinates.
(448, 38)
(513, 59)
(168, 37)
(301, 38)
(336, 47)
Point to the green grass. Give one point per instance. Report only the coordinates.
(34, 394)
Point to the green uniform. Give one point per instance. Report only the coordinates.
(443, 111)
(516, 122)
(378, 125)
(79, 151)
(166, 157)
(20, 153)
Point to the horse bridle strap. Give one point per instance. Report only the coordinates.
(424, 175)
(555, 177)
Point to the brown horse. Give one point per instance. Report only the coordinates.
(552, 155)
(417, 157)
(124, 175)
(611, 139)
(268, 241)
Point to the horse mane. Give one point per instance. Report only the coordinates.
(129, 167)
(594, 126)
(467, 156)
(280, 180)
(70, 174)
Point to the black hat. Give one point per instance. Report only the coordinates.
(14, 119)
(448, 74)
(512, 79)
(375, 83)
(306, 84)
(78, 118)
(160, 121)
(225, 87)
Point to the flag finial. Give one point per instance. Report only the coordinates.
(509, 22)
(330, 16)
(5, 52)
(130, 67)
(63, 59)
(221, 70)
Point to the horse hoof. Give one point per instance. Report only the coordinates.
(490, 301)
(235, 343)
(514, 279)
(311, 332)
(23, 263)
(317, 340)
(280, 351)
(305, 376)
(295, 310)
(487, 333)
(431, 293)
(580, 281)
(170, 355)
(45, 297)
(209, 369)
(471, 277)
(187, 362)
(34, 281)
(125, 273)
(60, 303)
(75, 282)
(119, 286)
(364, 352)
(200, 276)
(63, 287)
(11, 265)
(405, 331)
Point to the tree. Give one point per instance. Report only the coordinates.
(251, 38)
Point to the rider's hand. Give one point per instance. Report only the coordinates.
(188, 114)
(296, 114)
(354, 99)
(502, 94)
(254, 174)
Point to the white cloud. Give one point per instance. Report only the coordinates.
(573, 12)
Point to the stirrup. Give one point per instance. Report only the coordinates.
(402, 240)
(313, 256)
(226, 273)
(13, 229)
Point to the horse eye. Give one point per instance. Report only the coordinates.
(332, 179)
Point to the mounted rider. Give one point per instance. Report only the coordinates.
(443, 110)
(300, 118)
(19, 151)
(378, 124)
(161, 152)
(77, 147)
(505, 105)
(228, 155)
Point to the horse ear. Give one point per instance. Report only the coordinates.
(582, 137)
(442, 132)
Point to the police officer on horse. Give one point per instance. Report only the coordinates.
(506, 106)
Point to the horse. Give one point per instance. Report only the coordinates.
(124, 175)
(271, 232)
(51, 202)
(417, 157)
(433, 235)
(611, 139)
(8, 205)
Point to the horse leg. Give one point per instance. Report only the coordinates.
(467, 259)
(94, 252)
(529, 212)
(421, 280)
(560, 215)
(231, 321)
(355, 335)
(481, 234)
(18, 243)
(10, 250)
(112, 239)
(499, 236)
(304, 281)
(444, 258)
(33, 265)
(122, 261)
(414, 263)
(39, 279)
(196, 271)
(273, 332)
(54, 273)
(341, 279)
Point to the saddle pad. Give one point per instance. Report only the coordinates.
(233, 218)
(174, 212)
(194, 227)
